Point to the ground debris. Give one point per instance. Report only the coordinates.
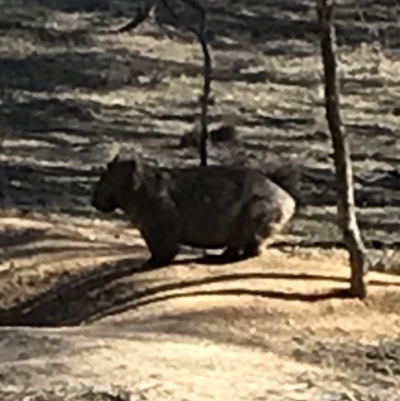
(72, 394)
(373, 367)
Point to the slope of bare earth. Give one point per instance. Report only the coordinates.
(79, 317)
(277, 327)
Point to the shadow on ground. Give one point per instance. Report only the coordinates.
(263, 23)
(115, 287)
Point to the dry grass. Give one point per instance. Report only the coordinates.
(279, 327)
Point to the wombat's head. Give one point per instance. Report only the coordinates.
(121, 177)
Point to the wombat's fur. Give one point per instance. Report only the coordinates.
(236, 208)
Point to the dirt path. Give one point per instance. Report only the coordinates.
(274, 328)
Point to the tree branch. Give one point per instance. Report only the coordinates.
(141, 16)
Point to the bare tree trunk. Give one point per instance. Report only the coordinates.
(205, 99)
(207, 70)
(344, 174)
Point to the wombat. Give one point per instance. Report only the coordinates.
(216, 207)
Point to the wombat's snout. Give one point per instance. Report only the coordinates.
(102, 203)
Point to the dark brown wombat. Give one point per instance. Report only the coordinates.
(231, 207)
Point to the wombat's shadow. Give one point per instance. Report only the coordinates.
(115, 287)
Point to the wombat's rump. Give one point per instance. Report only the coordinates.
(236, 208)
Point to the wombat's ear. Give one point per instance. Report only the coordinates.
(136, 171)
(114, 160)
(136, 163)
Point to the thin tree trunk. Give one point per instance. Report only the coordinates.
(143, 14)
(204, 100)
(344, 174)
(207, 70)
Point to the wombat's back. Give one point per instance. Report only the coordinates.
(210, 199)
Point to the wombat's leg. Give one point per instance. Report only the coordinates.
(252, 249)
(247, 250)
(264, 222)
(162, 250)
(162, 239)
(256, 224)
(230, 254)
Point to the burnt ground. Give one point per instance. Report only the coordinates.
(70, 89)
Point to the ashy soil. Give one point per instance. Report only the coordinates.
(80, 319)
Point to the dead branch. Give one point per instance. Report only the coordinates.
(142, 15)
(341, 151)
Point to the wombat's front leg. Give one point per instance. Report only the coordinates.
(162, 239)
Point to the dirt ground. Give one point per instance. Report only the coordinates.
(80, 320)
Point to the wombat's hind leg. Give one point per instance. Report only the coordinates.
(230, 254)
(252, 249)
(256, 226)
(265, 222)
